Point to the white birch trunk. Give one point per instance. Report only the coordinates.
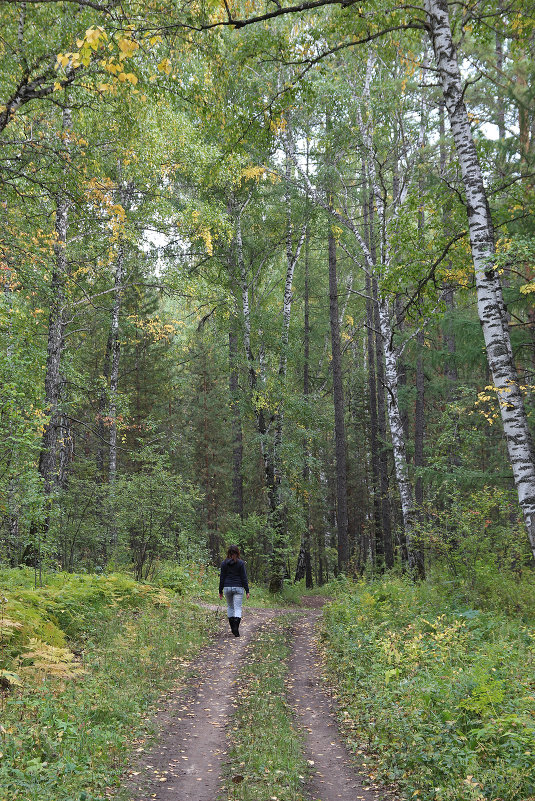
(491, 310)
(397, 432)
(391, 354)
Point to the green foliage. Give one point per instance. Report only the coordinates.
(435, 697)
(156, 513)
(478, 543)
(267, 765)
(187, 578)
(66, 737)
(68, 606)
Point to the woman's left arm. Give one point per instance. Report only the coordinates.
(244, 579)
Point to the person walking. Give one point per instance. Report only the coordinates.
(233, 583)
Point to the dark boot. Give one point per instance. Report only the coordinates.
(238, 621)
(231, 623)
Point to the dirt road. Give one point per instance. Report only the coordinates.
(186, 759)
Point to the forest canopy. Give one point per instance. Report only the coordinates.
(267, 277)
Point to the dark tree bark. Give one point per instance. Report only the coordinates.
(237, 435)
(419, 425)
(339, 423)
(304, 562)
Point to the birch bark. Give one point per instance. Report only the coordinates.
(491, 310)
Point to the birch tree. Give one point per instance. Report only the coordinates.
(491, 309)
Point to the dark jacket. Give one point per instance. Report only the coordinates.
(233, 574)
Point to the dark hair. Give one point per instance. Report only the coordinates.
(233, 550)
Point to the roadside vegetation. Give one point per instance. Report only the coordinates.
(83, 659)
(437, 694)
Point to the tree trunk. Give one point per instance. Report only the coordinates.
(419, 425)
(450, 366)
(492, 313)
(278, 565)
(115, 350)
(500, 105)
(374, 440)
(378, 532)
(398, 441)
(386, 517)
(419, 411)
(48, 466)
(237, 435)
(304, 563)
(102, 414)
(339, 423)
(261, 425)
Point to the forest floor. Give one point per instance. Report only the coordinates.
(188, 756)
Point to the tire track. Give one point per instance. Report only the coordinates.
(185, 761)
(334, 775)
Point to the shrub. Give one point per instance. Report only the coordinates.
(438, 696)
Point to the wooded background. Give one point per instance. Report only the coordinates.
(267, 277)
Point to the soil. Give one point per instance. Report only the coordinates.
(334, 775)
(185, 761)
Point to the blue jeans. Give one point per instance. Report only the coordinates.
(234, 598)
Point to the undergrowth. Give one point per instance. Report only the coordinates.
(83, 659)
(202, 582)
(266, 758)
(436, 698)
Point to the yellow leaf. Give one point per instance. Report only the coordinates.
(164, 66)
(131, 77)
(127, 47)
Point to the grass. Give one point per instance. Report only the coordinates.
(437, 698)
(266, 758)
(90, 657)
(202, 582)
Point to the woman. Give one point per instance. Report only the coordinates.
(233, 582)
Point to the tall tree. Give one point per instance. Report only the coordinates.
(491, 309)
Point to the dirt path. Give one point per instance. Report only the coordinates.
(185, 762)
(334, 776)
